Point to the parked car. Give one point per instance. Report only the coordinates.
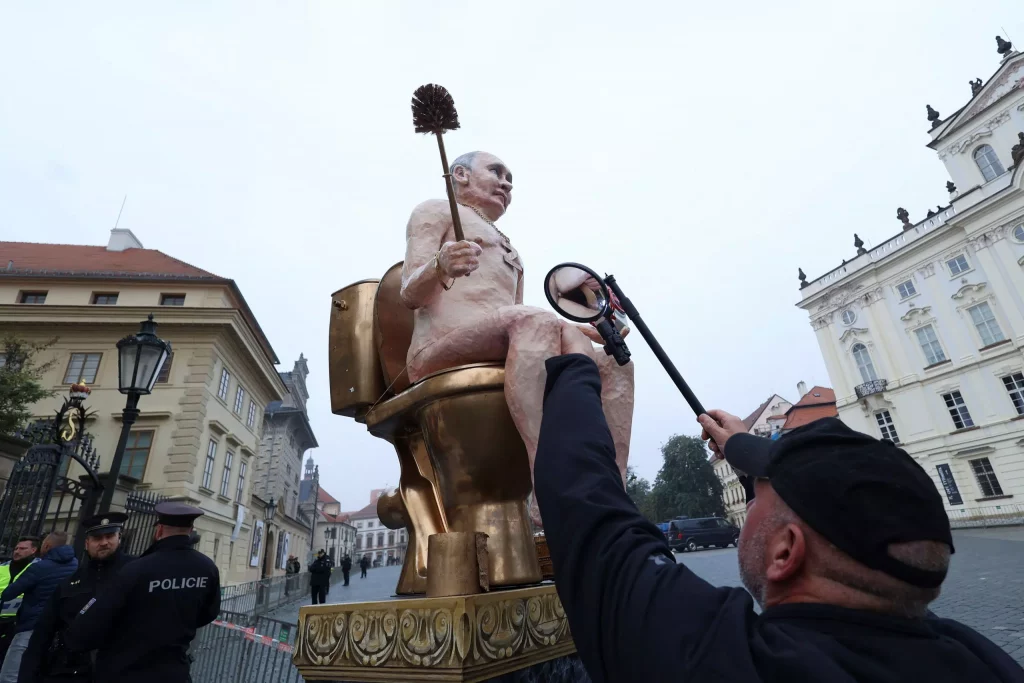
(701, 532)
(664, 527)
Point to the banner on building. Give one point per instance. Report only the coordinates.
(949, 484)
(239, 518)
(257, 543)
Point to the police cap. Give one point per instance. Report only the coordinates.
(104, 523)
(177, 514)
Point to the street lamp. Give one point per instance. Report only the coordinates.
(269, 510)
(139, 360)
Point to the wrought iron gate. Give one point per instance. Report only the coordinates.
(137, 534)
(40, 497)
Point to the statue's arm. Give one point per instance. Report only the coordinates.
(423, 238)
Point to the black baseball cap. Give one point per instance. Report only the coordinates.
(859, 492)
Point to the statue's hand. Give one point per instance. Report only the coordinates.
(459, 258)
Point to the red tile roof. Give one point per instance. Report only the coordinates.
(325, 497)
(808, 414)
(34, 260)
(817, 403)
(368, 512)
(816, 396)
(749, 420)
(30, 258)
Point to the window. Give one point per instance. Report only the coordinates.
(391, 538)
(104, 299)
(401, 536)
(1018, 232)
(211, 458)
(864, 364)
(930, 345)
(82, 367)
(906, 289)
(986, 477)
(359, 525)
(225, 477)
(239, 396)
(988, 163)
(886, 426)
(380, 539)
(165, 371)
(849, 317)
(225, 380)
(136, 453)
(250, 419)
(359, 542)
(33, 297)
(369, 540)
(958, 264)
(958, 410)
(172, 299)
(240, 489)
(985, 321)
(369, 525)
(1015, 387)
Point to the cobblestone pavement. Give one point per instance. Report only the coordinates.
(984, 589)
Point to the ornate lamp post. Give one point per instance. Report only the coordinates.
(139, 360)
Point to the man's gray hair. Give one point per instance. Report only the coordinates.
(464, 160)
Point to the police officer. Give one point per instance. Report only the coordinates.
(142, 622)
(47, 659)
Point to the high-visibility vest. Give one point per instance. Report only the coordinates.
(10, 608)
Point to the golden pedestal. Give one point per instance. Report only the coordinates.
(464, 638)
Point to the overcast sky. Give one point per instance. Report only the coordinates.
(699, 151)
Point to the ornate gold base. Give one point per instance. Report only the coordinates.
(465, 639)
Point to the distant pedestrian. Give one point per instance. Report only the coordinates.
(36, 585)
(291, 568)
(25, 553)
(143, 620)
(346, 567)
(47, 660)
(364, 564)
(319, 578)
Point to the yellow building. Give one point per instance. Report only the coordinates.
(197, 436)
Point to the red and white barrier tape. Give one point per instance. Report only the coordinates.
(250, 634)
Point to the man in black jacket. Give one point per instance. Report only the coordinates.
(142, 622)
(346, 567)
(47, 659)
(845, 544)
(319, 578)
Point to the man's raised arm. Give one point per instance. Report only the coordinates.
(431, 264)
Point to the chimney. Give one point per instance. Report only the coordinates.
(121, 239)
(801, 390)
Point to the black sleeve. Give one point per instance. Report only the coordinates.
(39, 643)
(212, 607)
(96, 622)
(634, 613)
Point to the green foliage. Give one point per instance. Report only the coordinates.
(686, 485)
(20, 373)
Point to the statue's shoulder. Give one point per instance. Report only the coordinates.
(432, 209)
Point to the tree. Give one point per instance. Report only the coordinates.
(19, 381)
(686, 484)
(639, 490)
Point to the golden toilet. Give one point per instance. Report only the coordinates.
(463, 465)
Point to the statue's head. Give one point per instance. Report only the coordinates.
(482, 180)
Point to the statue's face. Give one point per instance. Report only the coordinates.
(487, 185)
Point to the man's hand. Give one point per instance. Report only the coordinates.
(718, 426)
(457, 259)
(573, 340)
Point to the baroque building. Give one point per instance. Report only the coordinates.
(922, 335)
(197, 434)
(374, 540)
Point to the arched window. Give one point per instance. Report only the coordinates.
(391, 538)
(359, 542)
(988, 163)
(380, 539)
(864, 364)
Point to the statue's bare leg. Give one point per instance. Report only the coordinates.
(525, 337)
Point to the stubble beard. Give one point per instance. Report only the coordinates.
(751, 560)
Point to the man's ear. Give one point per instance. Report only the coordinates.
(460, 175)
(786, 553)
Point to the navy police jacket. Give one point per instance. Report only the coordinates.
(142, 622)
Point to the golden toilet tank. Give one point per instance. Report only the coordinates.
(464, 466)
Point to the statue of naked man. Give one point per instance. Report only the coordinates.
(468, 302)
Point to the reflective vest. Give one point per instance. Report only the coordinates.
(9, 609)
